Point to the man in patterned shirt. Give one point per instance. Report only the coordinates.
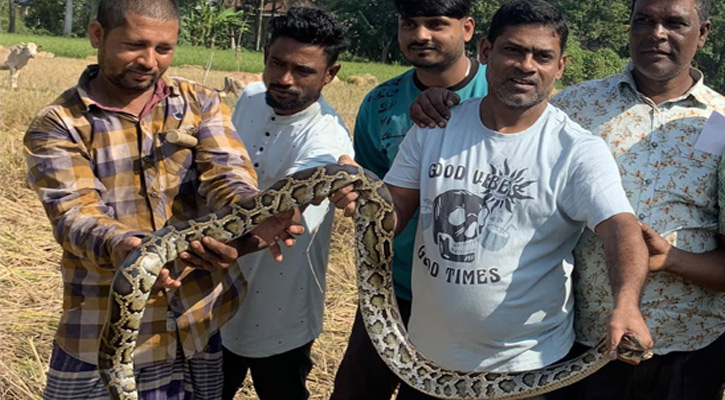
(126, 152)
(655, 117)
(652, 116)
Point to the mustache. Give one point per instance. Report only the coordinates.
(421, 46)
(141, 70)
(655, 50)
(281, 88)
(527, 81)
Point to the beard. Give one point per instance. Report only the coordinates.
(509, 99)
(123, 80)
(656, 73)
(297, 101)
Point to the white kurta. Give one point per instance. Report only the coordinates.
(285, 301)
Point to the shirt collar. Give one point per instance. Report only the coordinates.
(164, 87)
(625, 81)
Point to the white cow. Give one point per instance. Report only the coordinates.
(235, 82)
(16, 57)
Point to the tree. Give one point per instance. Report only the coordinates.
(43, 16)
(598, 23)
(68, 27)
(206, 25)
(372, 27)
(11, 17)
(260, 20)
(711, 59)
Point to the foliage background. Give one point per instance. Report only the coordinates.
(597, 45)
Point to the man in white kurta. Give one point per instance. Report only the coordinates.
(287, 126)
(284, 305)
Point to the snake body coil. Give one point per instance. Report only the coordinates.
(374, 227)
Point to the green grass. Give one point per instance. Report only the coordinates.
(224, 60)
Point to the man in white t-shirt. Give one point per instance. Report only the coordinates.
(504, 191)
(287, 126)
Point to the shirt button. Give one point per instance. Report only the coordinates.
(654, 144)
(261, 149)
(154, 194)
(267, 133)
(641, 216)
(648, 181)
(174, 302)
(256, 165)
(147, 160)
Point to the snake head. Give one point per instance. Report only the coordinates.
(630, 349)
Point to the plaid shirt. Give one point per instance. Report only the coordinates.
(104, 175)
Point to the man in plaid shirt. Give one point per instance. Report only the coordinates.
(124, 153)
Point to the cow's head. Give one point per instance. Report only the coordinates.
(31, 49)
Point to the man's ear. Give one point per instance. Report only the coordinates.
(484, 49)
(332, 73)
(469, 26)
(562, 66)
(704, 31)
(95, 34)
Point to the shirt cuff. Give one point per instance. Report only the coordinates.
(114, 240)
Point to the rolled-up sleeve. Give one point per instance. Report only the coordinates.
(60, 172)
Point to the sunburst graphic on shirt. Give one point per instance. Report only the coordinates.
(508, 188)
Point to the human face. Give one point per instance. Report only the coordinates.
(295, 73)
(135, 55)
(523, 65)
(434, 43)
(664, 37)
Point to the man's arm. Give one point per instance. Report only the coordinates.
(626, 257)
(594, 194)
(225, 170)
(60, 172)
(226, 175)
(706, 269)
(405, 202)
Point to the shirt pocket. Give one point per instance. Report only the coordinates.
(177, 158)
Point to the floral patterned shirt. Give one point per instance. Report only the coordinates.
(672, 186)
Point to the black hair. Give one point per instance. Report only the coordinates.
(112, 13)
(433, 8)
(702, 6)
(526, 12)
(312, 26)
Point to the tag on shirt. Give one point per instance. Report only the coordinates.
(712, 136)
(170, 321)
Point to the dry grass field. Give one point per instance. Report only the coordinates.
(30, 285)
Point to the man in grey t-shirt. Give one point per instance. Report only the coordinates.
(504, 191)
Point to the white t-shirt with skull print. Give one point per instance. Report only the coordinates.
(499, 217)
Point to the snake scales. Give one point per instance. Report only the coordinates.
(374, 227)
